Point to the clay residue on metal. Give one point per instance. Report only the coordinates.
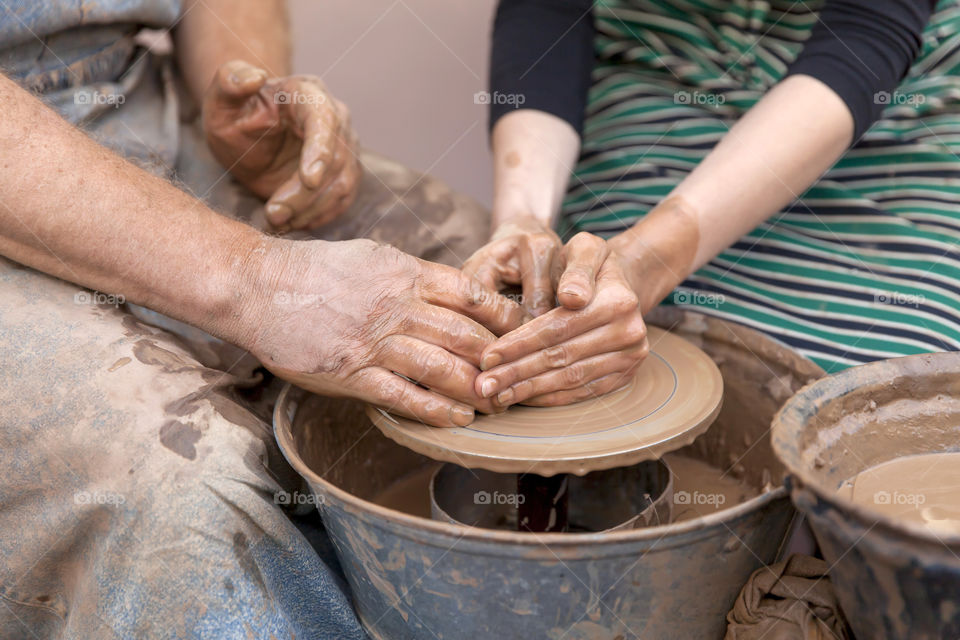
(331, 443)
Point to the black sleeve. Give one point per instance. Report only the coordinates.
(862, 48)
(541, 58)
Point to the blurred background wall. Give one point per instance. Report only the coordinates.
(408, 70)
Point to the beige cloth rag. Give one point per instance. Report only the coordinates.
(790, 600)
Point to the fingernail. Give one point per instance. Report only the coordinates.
(569, 291)
(245, 75)
(461, 416)
(278, 214)
(505, 396)
(490, 360)
(488, 388)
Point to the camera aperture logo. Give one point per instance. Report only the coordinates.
(296, 498)
(703, 98)
(515, 100)
(485, 497)
(97, 298)
(698, 298)
(91, 97)
(897, 299)
(896, 98)
(297, 299)
(698, 498)
(898, 498)
(297, 97)
(99, 497)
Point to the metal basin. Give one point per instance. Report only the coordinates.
(893, 580)
(413, 577)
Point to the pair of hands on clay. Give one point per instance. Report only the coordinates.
(388, 328)
(364, 320)
(587, 337)
(287, 139)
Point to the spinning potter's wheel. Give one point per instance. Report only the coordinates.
(674, 397)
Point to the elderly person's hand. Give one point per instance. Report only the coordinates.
(286, 139)
(591, 344)
(522, 251)
(364, 320)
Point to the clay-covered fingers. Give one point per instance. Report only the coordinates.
(537, 256)
(493, 266)
(591, 390)
(446, 329)
(434, 368)
(583, 256)
(628, 334)
(521, 252)
(295, 206)
(320, 120)
(392, 393)
(328, 167)
(613, 300)
(573, 376)
(450, 288)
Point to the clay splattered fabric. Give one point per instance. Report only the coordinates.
(865, 264)
(791, 599)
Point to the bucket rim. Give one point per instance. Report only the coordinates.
(410, 524)
(812, 397)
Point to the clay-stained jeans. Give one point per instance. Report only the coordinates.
(139, 478)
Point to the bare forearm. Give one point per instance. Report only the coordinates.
(533, 154)
(777, 150)
(75, 210)
(213, 32)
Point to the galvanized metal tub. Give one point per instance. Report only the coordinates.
(413, 577)
(893, 580)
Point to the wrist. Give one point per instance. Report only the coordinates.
(660, 250)
(515, 207)
(249, 274)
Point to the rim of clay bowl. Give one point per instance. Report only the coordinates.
(421, 529)
(814, 396)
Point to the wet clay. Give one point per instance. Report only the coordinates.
(700, 489)
(674, 397)
(919, 489)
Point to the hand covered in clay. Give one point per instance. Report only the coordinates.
(364, 320)
(591, 344)
(287, 140)
(522, 252)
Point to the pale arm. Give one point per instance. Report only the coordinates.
(769, 157)
(766, 160)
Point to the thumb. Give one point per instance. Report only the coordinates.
(585, 254)
(235, 82)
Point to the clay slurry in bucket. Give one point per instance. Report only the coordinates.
(921, 489)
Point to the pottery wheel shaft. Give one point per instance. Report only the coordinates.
(542, 503)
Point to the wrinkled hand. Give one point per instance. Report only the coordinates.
(287, 140)
(590, 345)
(521, 252)
(356, 318)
